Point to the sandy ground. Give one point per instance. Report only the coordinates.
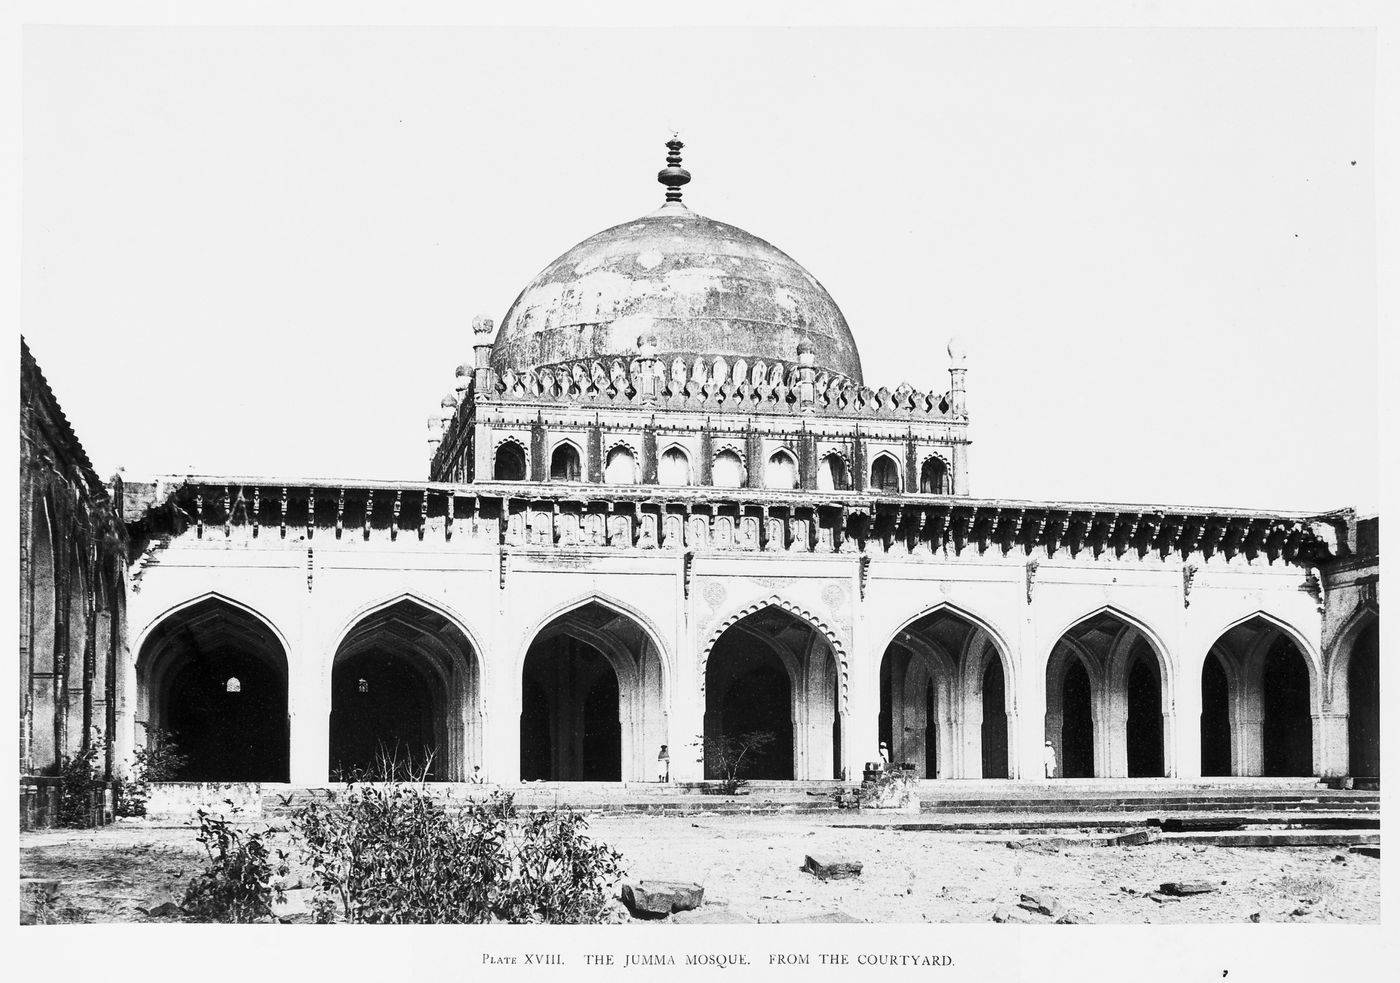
(750, 868)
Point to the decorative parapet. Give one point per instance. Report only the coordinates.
(713, 385)
(543, 516)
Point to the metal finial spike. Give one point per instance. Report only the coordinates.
(674, 176)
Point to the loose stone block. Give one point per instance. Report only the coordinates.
(833, 868)
(657, 899)
(1179, 888)
(1138, 837)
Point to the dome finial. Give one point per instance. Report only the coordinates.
(674, 176)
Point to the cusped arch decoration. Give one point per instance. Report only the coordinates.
(808, 617)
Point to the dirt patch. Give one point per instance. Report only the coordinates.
(751, 866)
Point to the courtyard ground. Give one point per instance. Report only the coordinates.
(750, 868)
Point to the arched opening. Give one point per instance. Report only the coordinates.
(404, 698)
(183, 670)
(1107, 722)
(564, 464)
(943, 699)
(832, 473)
(621, 468)
(773, 673)
(43, 686)
(728, 470)
(1215, 718)
(510, 462)
(1364, 704)
(80, 653)
(994, 736)
(933, 477)
(1287, 711)
(1268, 696)
(673, 468)
(781, 472)
(1077, 729)
(592, 703)
(1145, 752)
(884, 474)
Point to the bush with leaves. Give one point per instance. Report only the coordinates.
(241, 881)
(159, 760)
(80, 781)
(393, 853)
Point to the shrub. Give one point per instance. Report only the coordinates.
(394, 854)
(80, 776)
(727, 755)
(240, 882)
(159, 761)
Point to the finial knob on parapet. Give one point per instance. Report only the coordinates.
(646, 346)
(806, 352)
(481, 324)
(957, 351)
(673, 176)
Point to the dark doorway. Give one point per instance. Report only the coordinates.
(1144, 720)
(994, 741)
(747, 690)
(1364, 711)
(930, 731)
(1215, 719)
(227, 712)
(382, 720)
(1077, 727)
(570, 727)
(215, 679)
(1287, 712)
(510, 462)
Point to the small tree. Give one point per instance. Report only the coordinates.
(729, 754)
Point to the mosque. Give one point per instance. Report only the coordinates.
(662, 504)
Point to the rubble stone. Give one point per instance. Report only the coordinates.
(833, 868)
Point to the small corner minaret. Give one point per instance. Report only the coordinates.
(957, 372)
(673, 175)
(484, 329)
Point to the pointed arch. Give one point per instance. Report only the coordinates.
(185, 657)
(386, 601)
(1337, 691)
(617, 606)
(1311, 657)
(813, 621)
(997, 637)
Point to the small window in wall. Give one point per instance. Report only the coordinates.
(781, 471)
(510, 462)
(933, 478)
(673, 468)
(831, 474)
(233, 685)
(728, 471)
(363, 685)
(564, 464)
(884, 475)
(621, 467)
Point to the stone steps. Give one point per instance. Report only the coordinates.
(1043, 802)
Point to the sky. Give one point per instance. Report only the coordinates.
(258, 251)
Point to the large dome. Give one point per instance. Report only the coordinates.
(697, 286)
